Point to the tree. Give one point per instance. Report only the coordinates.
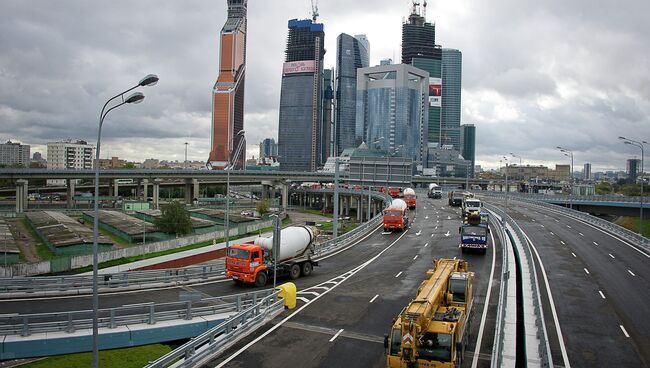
(174, 219)
(263, 207)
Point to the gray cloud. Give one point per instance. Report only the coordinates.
(535, 74)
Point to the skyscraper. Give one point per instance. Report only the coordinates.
(351, 54)
(228, 91)
(452, 70)
(468, 144)
(300, 127)
(586, 172)
(633, 165)
(391, 109)
(268, 148)
(420, 50)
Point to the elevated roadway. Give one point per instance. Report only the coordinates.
(599, 285)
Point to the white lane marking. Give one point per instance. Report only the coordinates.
(552, 233)
(479, 338)
(586, 271)
(601, 294)
(308, 292)
(426, 245)
(624, 331)
(418, 233)
(581, 234)
(336, 335)
(573, 254)
(416, 257)
(542, 225)
(399, 273)
(556, 220)
(447, 233)
(558, 329)
(432, 235)
(568, 226)
(563, 243)
(303, 299)
(596, 244)
(287, 318)
(534, 220)
(612, 256)
(375, 297)
(631, 273)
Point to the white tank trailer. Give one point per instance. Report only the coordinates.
(409, 191)
(294, 240)
(398, 203)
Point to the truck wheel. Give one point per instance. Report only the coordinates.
(307, 268)
(294, 271)
(260, 279)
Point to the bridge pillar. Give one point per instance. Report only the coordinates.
(156, 192)
(285, 197)
(188, 191)
(265, 192)
(21, 195)
(70, 192)
(145, 189)
(359, 208)
(348, 204)
(197, 189)
(116, 188)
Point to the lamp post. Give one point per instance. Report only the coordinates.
(185, 163)
(639, 144)
(134, 98)
(507, 188)
(229, 166)
(519, 157)
(569, 153)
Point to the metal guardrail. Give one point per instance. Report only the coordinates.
(545, 358)
(147, 313)
(81, 284)
(500, 322)
(577, 199)
(613, 228)
(200, 349)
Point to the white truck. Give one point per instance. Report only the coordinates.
(435, 191)
(471, 205)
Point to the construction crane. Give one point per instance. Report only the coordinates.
(314, 10)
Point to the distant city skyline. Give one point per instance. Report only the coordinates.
(534, 77)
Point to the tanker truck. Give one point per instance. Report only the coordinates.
(432, 330)
(254, 264)
(396, 216)
(435, 191)
(410, 198)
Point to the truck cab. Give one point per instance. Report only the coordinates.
(471, 205)
(244, 262)
(395, 219)
(394, 191)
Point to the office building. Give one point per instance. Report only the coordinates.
(452, 70)
(351, 54)
(300, 135)
(586, 172)
(387, 61)
(228, 91)
(420, 50)
(392, 109)
(468, 144)
(12, 153)
(632, 169)
(447, 161)
(268, 148)
(328, 140)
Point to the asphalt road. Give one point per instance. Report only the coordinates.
(345, 320)
(600, 287)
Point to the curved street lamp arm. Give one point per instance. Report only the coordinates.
(114, 97)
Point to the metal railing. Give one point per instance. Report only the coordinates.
(610, 227)
(146, 313)
(61, 285)
(568, 198)
(202, 348)
(544, 349)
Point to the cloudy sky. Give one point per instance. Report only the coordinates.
(536, 74)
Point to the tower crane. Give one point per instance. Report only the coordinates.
(314, 10)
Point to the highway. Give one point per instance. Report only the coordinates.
(599, 285)
(342, 322)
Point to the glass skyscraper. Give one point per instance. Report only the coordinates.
(468, 144)
(300, 133)
(392, 109)
(452, 70)
(351, 54)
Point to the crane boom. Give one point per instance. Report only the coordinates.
(314, 10)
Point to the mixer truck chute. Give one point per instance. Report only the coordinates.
(253, 263)
(432, 331)
(396, 216)
(410, 198)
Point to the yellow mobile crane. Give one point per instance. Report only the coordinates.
(432, 331)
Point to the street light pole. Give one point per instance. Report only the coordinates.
(639, 144)
(185, 163)
(134, 98)
(507, 187)
(569, 153)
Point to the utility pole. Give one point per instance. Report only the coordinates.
(335, 214)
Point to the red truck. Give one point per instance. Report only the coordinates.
(396, 216)
(394, 191)
(410, 198)
(253, 263)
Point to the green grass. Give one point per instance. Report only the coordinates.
(134, 357)
(632, 223)
(345, 226)
(311, 211)
(42, 250)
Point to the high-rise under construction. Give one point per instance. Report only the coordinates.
(228, 91)
(301, 142)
